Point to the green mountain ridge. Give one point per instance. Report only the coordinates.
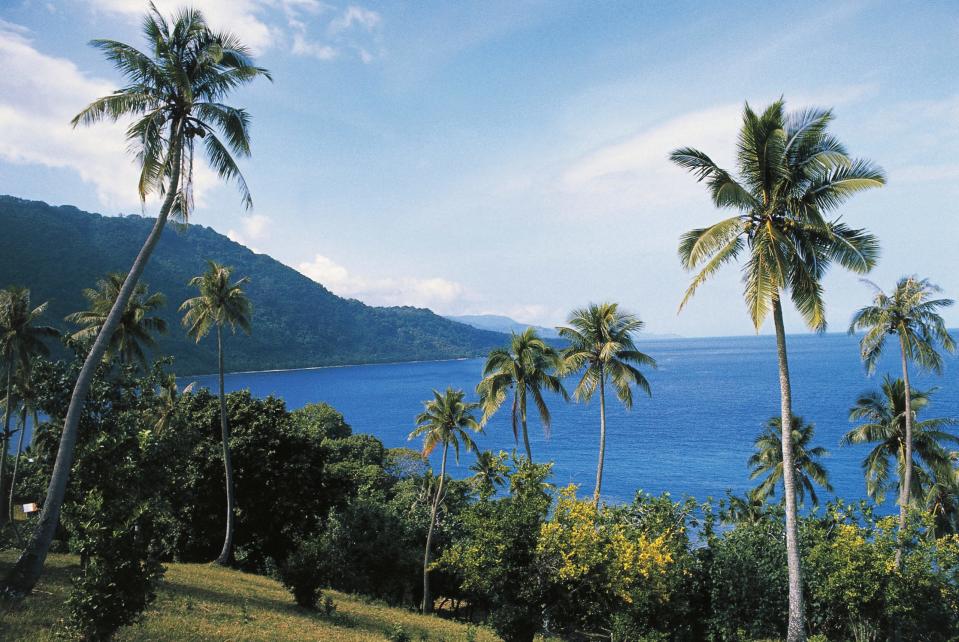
(57, 251)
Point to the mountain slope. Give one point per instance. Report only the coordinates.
(59, 251)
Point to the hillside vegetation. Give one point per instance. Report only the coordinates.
(206, 602)
(59, 251)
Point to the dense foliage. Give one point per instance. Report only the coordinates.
(298, 322)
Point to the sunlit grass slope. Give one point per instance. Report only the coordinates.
(203, 602)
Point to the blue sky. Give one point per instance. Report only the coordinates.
(510, 157)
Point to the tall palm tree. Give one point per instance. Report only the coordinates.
(602, 347)
(526, 367)
(910, 313)
(791, 173)
(884, 413)
(220, 303)
(768, 460)
(21, 339)
(175, 93)
(137, 326)
(446, 419)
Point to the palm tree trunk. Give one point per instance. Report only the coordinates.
(796, 629)
(5, 439)
(906, 489)
(427, 606)
(602, 435)
(13, 477)
(227, 553)
(21, 579)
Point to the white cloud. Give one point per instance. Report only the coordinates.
(255, 227)
(438, 294)
(355, 16)
(269, 24)
(637, 170)
(39, 95)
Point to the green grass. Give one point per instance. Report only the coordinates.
(204, 602)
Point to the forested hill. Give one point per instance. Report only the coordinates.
(59, 251)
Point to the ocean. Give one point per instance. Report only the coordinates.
(711, 397)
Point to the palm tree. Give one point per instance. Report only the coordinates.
(21, 339)
(526, 367)
(490, 471)
(220, 303)
(911, 313)
(885, 415)
(175, 93)
(768, 460)
(602, 346)
(167, 401)
(791, 174)
(28, 406)
(136, 328)
(942, 499)
(447, 419)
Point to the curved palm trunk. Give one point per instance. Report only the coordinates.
(906, 489)
(796, 630)
(13, 477)
(522, 416)
(25, 573)
(227, 553)
(427, 606)
(5, 438)
(602, 436)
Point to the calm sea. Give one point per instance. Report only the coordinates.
(710, 399)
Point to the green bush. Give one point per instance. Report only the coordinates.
(302, 574)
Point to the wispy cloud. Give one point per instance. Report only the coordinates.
(304, 27)
(253, 229)
(438, 294)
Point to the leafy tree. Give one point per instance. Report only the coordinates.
(495, 556)
(168, 400)
(220, 303)
(175, 94)
(767, 460)
(447, 419)
(884, 414)
(526, 367)
(27, 398)
(911, 313)
(136, 328)
(791, 173)
(602, 346)
(21, 339)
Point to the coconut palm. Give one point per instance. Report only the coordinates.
(28, 407)
(446, 420)
(490, 471)
(175, 93)
(884, 414)
(942, 499)
(768, 460)
(137, 326)
(910, 313)
(791, 173)
(167, 401)
(21, 339)
(220, 303)
(602, 347)
(526, 367)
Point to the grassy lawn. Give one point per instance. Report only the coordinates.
(203, 602)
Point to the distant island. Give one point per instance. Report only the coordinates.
(504, 324)
(59, 251)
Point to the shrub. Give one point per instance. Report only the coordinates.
(302, 575)
(398, 634)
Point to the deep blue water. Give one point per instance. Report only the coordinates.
(710, 399)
